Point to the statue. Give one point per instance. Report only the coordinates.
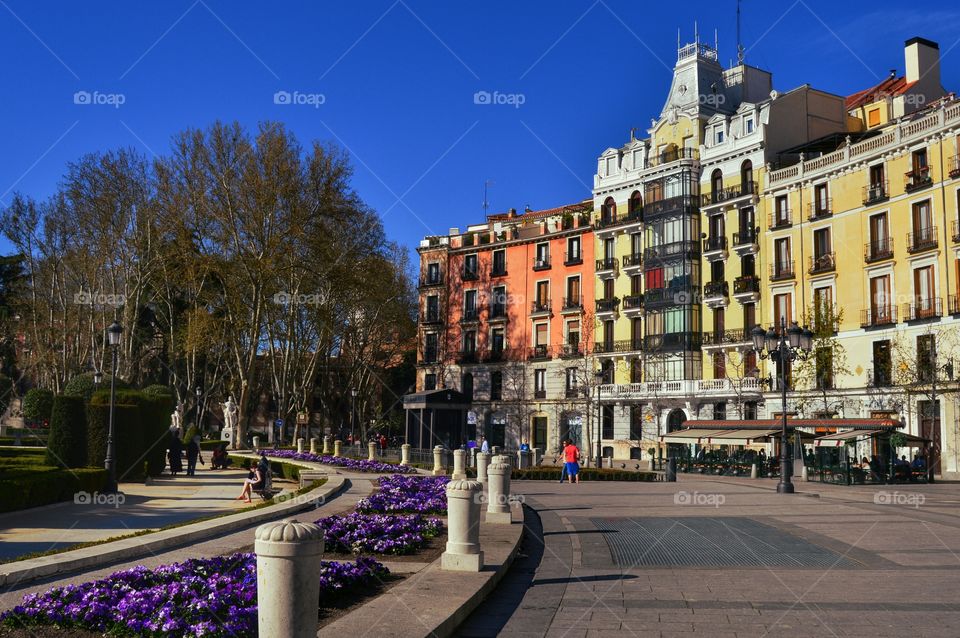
(231, 412)
(177, 417)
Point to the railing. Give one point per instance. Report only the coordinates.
(609, 221)
(614, 347)
(673, 341)
(782, 270)
(608, 263)
(573, 303)
(672, 250)
(880, 377)
(571, 350)
(541, 264)
(819, 209)
(714, 243)
(678, 204)
(608, 305)
(923, 239)
(670, 294)
(953, 304)
(633, 302)
(539, 352)
(956, 232)
(431, 318)
(500, 271)
(540, 305)
(540, 394)
(721, 195)
(633, 260)
(496, 355)
(470, 314)
(780, 219)
(746, 237)
(686, 387)
(497, 311)
(746, 284)
(467, 356)
(955, 166)
(720, 337)
(826, 262)
(923, 309)
(572, 260)
(426, 282)
(878, 249)
(716, 289)
(469, 275)
(879, 316)
(916, 179)
(673, 155)
(876, 193)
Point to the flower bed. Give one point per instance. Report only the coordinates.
(411, 494)
(359, 533)
(340, 461)
(198, 597)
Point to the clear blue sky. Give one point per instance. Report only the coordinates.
(398, 80)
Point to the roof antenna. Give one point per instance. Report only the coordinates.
(678, 38)
(696, 32)
(740, 51)
(486, 202)
(716, 41)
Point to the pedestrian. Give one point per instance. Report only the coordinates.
(383, 445)
(571, 457)
(175, 454)
(563, 466)
(484, 446)
(193, 455)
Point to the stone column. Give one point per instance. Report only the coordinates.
(483, 460)
(300, 443)
(438, 461)
(288, 578)
(473, 457)
(256, 442)
(498, 493)
(336, 448)
(463, 527)
(495, 450)
(313, 445)
(537, 455)
(371, 451)
(523, 459)
(459, 460)
(405, 454)
(326, 444)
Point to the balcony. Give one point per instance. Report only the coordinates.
(955, 166)
(878, 250)
(572, 305)
(427, 282)
(880, 377)
(672, 155)
(879, 316)
(571, 350)
(953, 305)
(876, 193)
(498, 312)
(618, 347)
(714, 248)
(608, 221)
(469, 274)
(916, 179)
(747, 241)
(573, 393)
(679, 205)
(496, 355)
(607, 267)
(780, 271)
(498, 271)
(540, 307)
(431, 318)
(607, 305)
(670, 295)
(572, 259)
(470, 315)
(673, 341)
(678, 249)
(631, 261)
(541, 264)
(429, 357)
(956, 232)
(924, 239)
(781, 219)
(923, 309)
(540, 394)
(466, 357)
(818, 264)
(724, 337)
(632, 303)
(724, 195)
(716, 294)
(820, 209)
(539, 353)
(746, 289)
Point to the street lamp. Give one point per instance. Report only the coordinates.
(97, 378)
(198, 391)
(600, 376)
(783, 347)
(353, 413)
(113, 338)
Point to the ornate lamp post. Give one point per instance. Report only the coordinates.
(600, 376)
(789, 345)
(97, 378)
(113, 338)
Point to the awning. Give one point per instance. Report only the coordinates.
(705, 436)
(763, 424)
(688, 436)
(839, 439)
(912, 440)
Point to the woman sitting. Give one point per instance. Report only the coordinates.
(254, 478)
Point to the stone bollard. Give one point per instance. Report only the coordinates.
(313, 445)
(803, 474)
(753, 471)
(336, 448)
(495, 450)
(288, 578)
(372, 451)
(459, 460)
(483, 460)
(256, 443)
(537, 457)
(405, 454)
(300, 443)
(473, 457)
(326, 444)
(498, 492)
(438, 461)
(463, 527)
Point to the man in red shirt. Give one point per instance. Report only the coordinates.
(571, 457)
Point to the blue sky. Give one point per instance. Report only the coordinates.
(393, 81)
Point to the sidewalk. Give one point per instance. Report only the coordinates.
(166, 501)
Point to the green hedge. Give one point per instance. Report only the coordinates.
(279, 469)
(128, 437)
(37, 487)
(588, 474)
(26, 440)
(37, 405)
(209, 446)
(191, 432)
(82, 385)
(66, 446)
(6, 392)
(153, 425)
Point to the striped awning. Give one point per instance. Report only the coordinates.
(839, 439)
(763, 424)
(705, 436)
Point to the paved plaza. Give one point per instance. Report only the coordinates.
(730, 557)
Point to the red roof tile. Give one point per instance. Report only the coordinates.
(888, 88)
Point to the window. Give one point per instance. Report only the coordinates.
(433, 273)
(820, 199)
(469, 341)
(719, 321)
(636, 423)
(782, 309)
(880, 306)
(430, 381)
(635, 204)
(609, 248)
(607, 412)
(496, 385)
(749, 317)
(719, 365)
(608, 289)
(608, 212)
(783, 265)
(922, 224)
(497, 340)
(540, 335)
(750, 410)
(748, 266)
(636, 333)
(470, 304)
(882, 364)
(783, 213)
(919, 162)
(499, 262)
(571, 384)
(543, 294)
(716, 184)
(573, 291)
(876, 180)
(750, 368)
(748, 125)
(824, 368)
(430, 348)
(433, 308)
(608, 334)
(470, 266)
(466, 385)
(747, 222)
(636, 243)
(573, 333)
(879, 232)
(720, 411)
(926, 357)
(573, 250)
(611, 166)
(821, 244)
(823, 311)
(873, 117)
(636, 285)
(543, 254)
(636, 370)
(718, 136)
(925, 304)
(540, 383)
(498, 305)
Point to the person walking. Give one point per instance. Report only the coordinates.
(563, 466)
(193, 455)
(571, 457)
(383, 445)
(484, 446)
(175, 454)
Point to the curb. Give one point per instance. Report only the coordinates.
(21, 572)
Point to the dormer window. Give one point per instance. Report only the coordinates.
(748, 126)
(611, 165)
(718, 135)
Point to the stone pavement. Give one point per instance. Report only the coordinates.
(730, 558)
(167, 500)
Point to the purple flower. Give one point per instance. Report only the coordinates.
(378, 533)
(340, 461)
(413, 494)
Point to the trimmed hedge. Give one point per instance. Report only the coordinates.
(82, 385)
(6, 392)
(191, 432)
(127, 433)
(209, 446)
(158, 389)
(66, 446)
(42, 485)
(26, 440)
(37, 405)
(279, 469)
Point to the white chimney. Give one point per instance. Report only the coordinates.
(922, 61)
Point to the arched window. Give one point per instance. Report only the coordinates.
(636, 204)
(716, 186)
(746, 176)
(608, 213)
(675, 420)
